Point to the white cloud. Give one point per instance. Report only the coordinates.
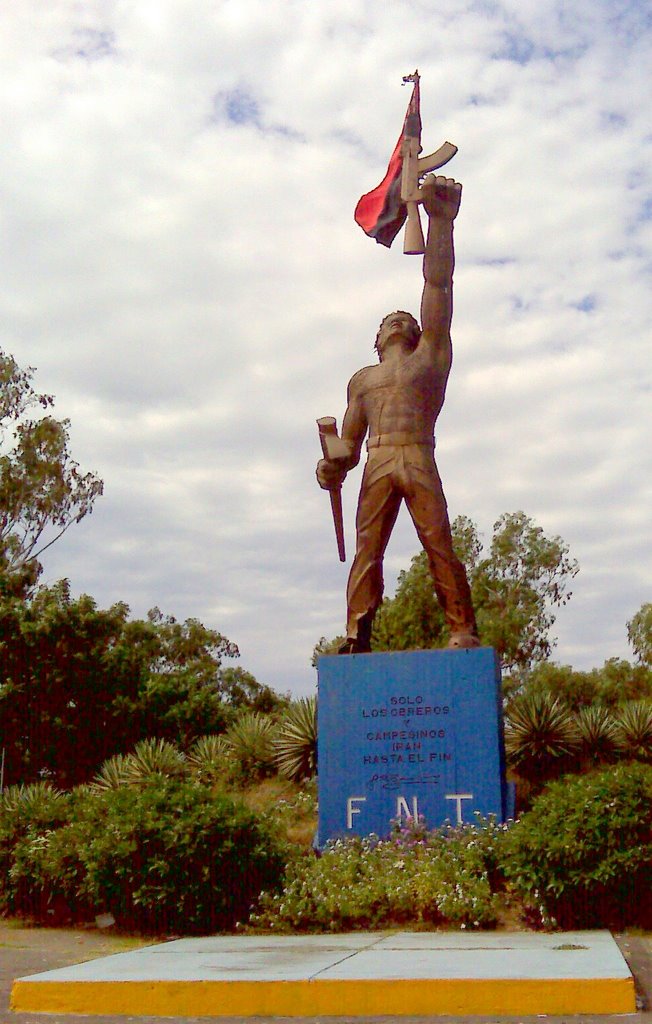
(181, 264)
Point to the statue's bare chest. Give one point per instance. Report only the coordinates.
(398, 384)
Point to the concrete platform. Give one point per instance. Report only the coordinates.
(353, 975)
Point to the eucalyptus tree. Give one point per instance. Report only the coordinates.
(42, 489)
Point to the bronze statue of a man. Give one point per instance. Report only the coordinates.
(398, 402)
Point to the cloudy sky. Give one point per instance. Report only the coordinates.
(180, 263)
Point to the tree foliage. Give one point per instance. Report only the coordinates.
(42, 489)
(615, 683)
(79, 684)
(412, 619)
(514, 587)
(324, 646)
(639, 634)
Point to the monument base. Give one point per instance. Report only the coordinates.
(361, 975)
(409, 733)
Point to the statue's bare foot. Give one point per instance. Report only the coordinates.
(458, 640)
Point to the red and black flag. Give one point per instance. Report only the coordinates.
(381, 213)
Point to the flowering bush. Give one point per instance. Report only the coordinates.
(164, 855)
(582, 857)
(28, 816)
(416, 875)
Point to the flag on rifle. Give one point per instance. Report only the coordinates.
(381, 213)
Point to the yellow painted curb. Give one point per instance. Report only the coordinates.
(327, 998)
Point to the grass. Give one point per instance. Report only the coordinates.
(291, 805)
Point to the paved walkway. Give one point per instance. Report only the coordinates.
(29, 951)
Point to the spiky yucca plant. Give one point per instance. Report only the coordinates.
(597, 733)
(295, 747)
(155, 757)
(251, 741)
(28, 799)
(541, 737)
(149, 757)
(210, 758)
(114, 772)
(634, 730)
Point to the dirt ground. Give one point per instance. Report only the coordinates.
(25, 951)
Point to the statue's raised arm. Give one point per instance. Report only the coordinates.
(441, 201)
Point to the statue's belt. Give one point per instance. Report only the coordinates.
(400, 437)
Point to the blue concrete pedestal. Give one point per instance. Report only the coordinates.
(408, 733)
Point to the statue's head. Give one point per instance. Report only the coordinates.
(395, 323)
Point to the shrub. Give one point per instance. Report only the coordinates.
(597, 734)
(28, 815)
(440, 877)
(582, 857)
(149, 757)
(210, 759)
(114, 772)
(541, 741)
(634, 730)
(539, 731)
(295, 747)
(155, 757)
(251, 742)
(291, 810)
(164, 855)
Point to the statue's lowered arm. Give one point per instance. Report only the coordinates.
(334, 450)
(340, 455)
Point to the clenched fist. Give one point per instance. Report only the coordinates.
(441, 196)
(330, 474)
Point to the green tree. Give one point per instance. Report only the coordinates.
(524, 576)
(515, 586)
(61, 672)
(639, 634)
(79, 684)
(240, 688)
(326, 646)
(412, 619)
(42, 490)
(617, 682)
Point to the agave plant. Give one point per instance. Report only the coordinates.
(295, 747)
(634, 730)
(541, 736)
(29, 800)
(154, 757)
(597, 733)
(210, 758)
(251, 741)
(114, 772)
